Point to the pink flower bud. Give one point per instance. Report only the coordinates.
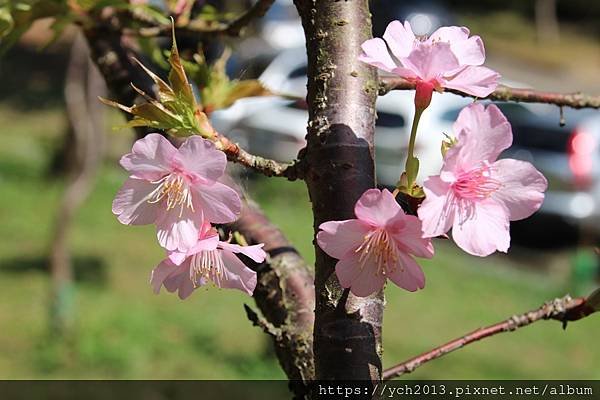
(423, 95)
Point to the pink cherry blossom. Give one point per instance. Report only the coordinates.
(176, 189)
(475, 194)
(449, 58)
(377, 245)
(210, 259)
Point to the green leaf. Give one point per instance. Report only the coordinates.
(175, 111)
(6, 20)
(245, 88)
(593, 300)
(177, 77)
(412, 169)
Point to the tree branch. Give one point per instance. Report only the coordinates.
(506, 93)
(285, 296)
(265, 166)
(561, 309)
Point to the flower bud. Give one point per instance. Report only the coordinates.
(423, 94)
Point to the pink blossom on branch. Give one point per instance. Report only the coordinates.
(449, 58)
(176, 189)
(379, 244)
(210, 259)
(475, 194)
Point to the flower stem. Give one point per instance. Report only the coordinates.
(412, 163)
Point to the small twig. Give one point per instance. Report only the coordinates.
(506, 93)
(259, 164)
(234, 27)
(562, 309)
(262, 323)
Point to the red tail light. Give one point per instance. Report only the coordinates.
(581, 148)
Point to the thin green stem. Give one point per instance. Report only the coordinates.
(411, 162)
(413, 132)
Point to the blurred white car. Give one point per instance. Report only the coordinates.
(276, 128)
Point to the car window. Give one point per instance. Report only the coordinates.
(298, 72)
(389, 120)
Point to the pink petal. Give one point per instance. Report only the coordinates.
(437, 210)
(377, 207)
(468, 50)
(177, 257)
(337, 238)
(449, 34)
(209, 241)
(176, 279)
(131, 203)
(410, 239)
(408, 274)
(347, 269)
(376, 54)
(175, 232)
(160, 273)
(368, 281)
(481, 228)
(483, 133)
(200, 156)
(523, 187)
(400, 38)
(362, 280)
(405, 73)
(150, 157)
(186, 288)
(431, 61)
(219, 203)
(477, 81)
(237, 275)
(255, 252)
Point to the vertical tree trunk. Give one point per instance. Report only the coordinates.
(546, 21)
(340, 167)
(83, 86)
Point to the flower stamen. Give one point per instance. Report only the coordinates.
(207, 264)
(476, 184)
(175, 189)
(381, 247)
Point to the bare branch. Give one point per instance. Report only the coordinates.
(285, 296)
(506, 93)
(561, 309)
(231, 28)
(259, 164)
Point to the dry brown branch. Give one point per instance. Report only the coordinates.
(561, 309)
(258, 164)
(506, 93)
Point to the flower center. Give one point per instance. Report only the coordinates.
(476, 184)
(175, 190)
(378, 246)
(207, 264)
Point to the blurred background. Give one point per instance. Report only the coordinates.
(118, 329)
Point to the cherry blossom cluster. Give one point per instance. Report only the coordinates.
(475, 195)
(180, 190)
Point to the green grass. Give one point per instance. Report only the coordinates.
(124, 331)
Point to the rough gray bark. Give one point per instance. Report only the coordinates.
(339, 168)
(285, 295)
